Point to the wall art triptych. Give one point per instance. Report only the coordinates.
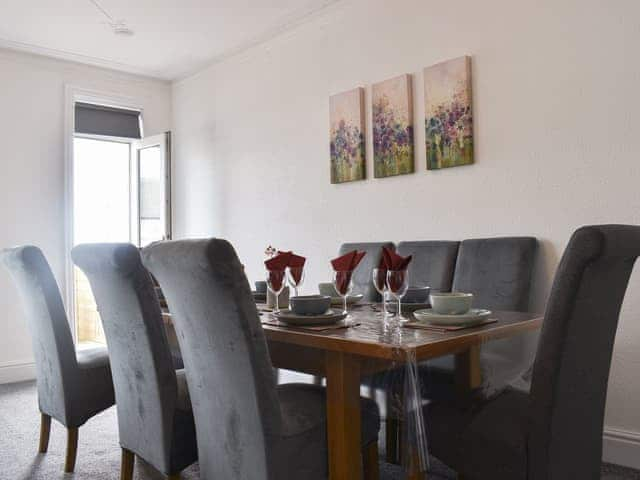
(448, 124)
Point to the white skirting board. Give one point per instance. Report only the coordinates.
(621, 447)
(17, 372)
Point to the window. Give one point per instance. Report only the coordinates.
(121, 193)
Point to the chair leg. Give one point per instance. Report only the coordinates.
(370, 462)
(45, 429)
(126, 464)
(72, 450)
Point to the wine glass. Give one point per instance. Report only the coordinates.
(343, 283)
(295, 276)
(275, 283)
(380, 283)
(398, 283)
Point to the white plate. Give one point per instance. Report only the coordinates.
(351, 299)
(331, 316)
(473, 316)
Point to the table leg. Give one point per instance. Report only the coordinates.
(468, 374)
(343, 416)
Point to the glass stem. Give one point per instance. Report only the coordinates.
(399, 308)
(384, 302)
(344, 303)
(276, 307)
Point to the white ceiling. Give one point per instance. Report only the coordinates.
(173, 38)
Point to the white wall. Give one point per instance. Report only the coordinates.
(557, 145)
(32, 103)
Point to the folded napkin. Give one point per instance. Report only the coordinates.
(296, 264)
(276, 266)
(344, 266)
(394, 262)
(347, 262)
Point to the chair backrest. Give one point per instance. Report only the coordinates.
(571, 370)
(229, 372)
(53, 348)
(141, 365)
(497, 271)
(433, 263)
(363, 275)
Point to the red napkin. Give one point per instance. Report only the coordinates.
(381, 279)
(345, 265)
(296, 264)
(347, 262)
(279, 262)
(276, 266)
(394, 262)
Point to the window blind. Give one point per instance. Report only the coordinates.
(108, 121)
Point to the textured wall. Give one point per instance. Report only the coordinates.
(32, 169)
(556, 135)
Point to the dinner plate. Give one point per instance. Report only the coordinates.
(473, 316)
(331, 316)
(351, 299)
(392, 306)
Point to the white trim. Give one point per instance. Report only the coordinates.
(12, 372)
(74, 94)
(621, 447)
(78, 58)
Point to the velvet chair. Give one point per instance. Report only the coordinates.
(553, 430)
(363, 275)
(248, 427)
(433, 263)
(73, 386)
(498, 272)
(154, 411)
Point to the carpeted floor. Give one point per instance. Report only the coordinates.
(98, 450)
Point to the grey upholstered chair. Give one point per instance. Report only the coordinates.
(498, 272)
(554, 430)
(154, 412)
(73, 386)
(433, 263)
(248, 427)
(363, 275)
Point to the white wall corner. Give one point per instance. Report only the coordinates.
(13, 372)
(621, 447)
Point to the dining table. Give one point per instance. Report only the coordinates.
(369, 344)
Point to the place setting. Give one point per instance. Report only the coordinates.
(450, 311)
(327, 310)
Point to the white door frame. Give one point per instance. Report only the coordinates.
(75, 94)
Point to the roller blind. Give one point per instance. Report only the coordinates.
(109, 121)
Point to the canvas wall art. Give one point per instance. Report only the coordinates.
(346, 112)
(392, 111)
(448, 115)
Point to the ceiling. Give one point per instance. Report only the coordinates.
(171, 40)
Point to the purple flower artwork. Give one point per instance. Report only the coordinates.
(448, 115)
(392, 121)
(346, 112)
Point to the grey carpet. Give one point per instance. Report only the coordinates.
(99, 452)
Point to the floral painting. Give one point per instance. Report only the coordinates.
(346, 112)
(448, 116)
(392, 112)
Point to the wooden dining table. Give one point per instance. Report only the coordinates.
(345, 356)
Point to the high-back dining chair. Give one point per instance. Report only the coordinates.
(73, 386)
(363, 274)
(498, 272)
(554, 430)
(248, 427)
(154, 412)
(433, 262)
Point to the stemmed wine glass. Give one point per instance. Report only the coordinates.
(295, 276)
(343, 283)
(380, 282)
(398, 283)
(275, 283)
